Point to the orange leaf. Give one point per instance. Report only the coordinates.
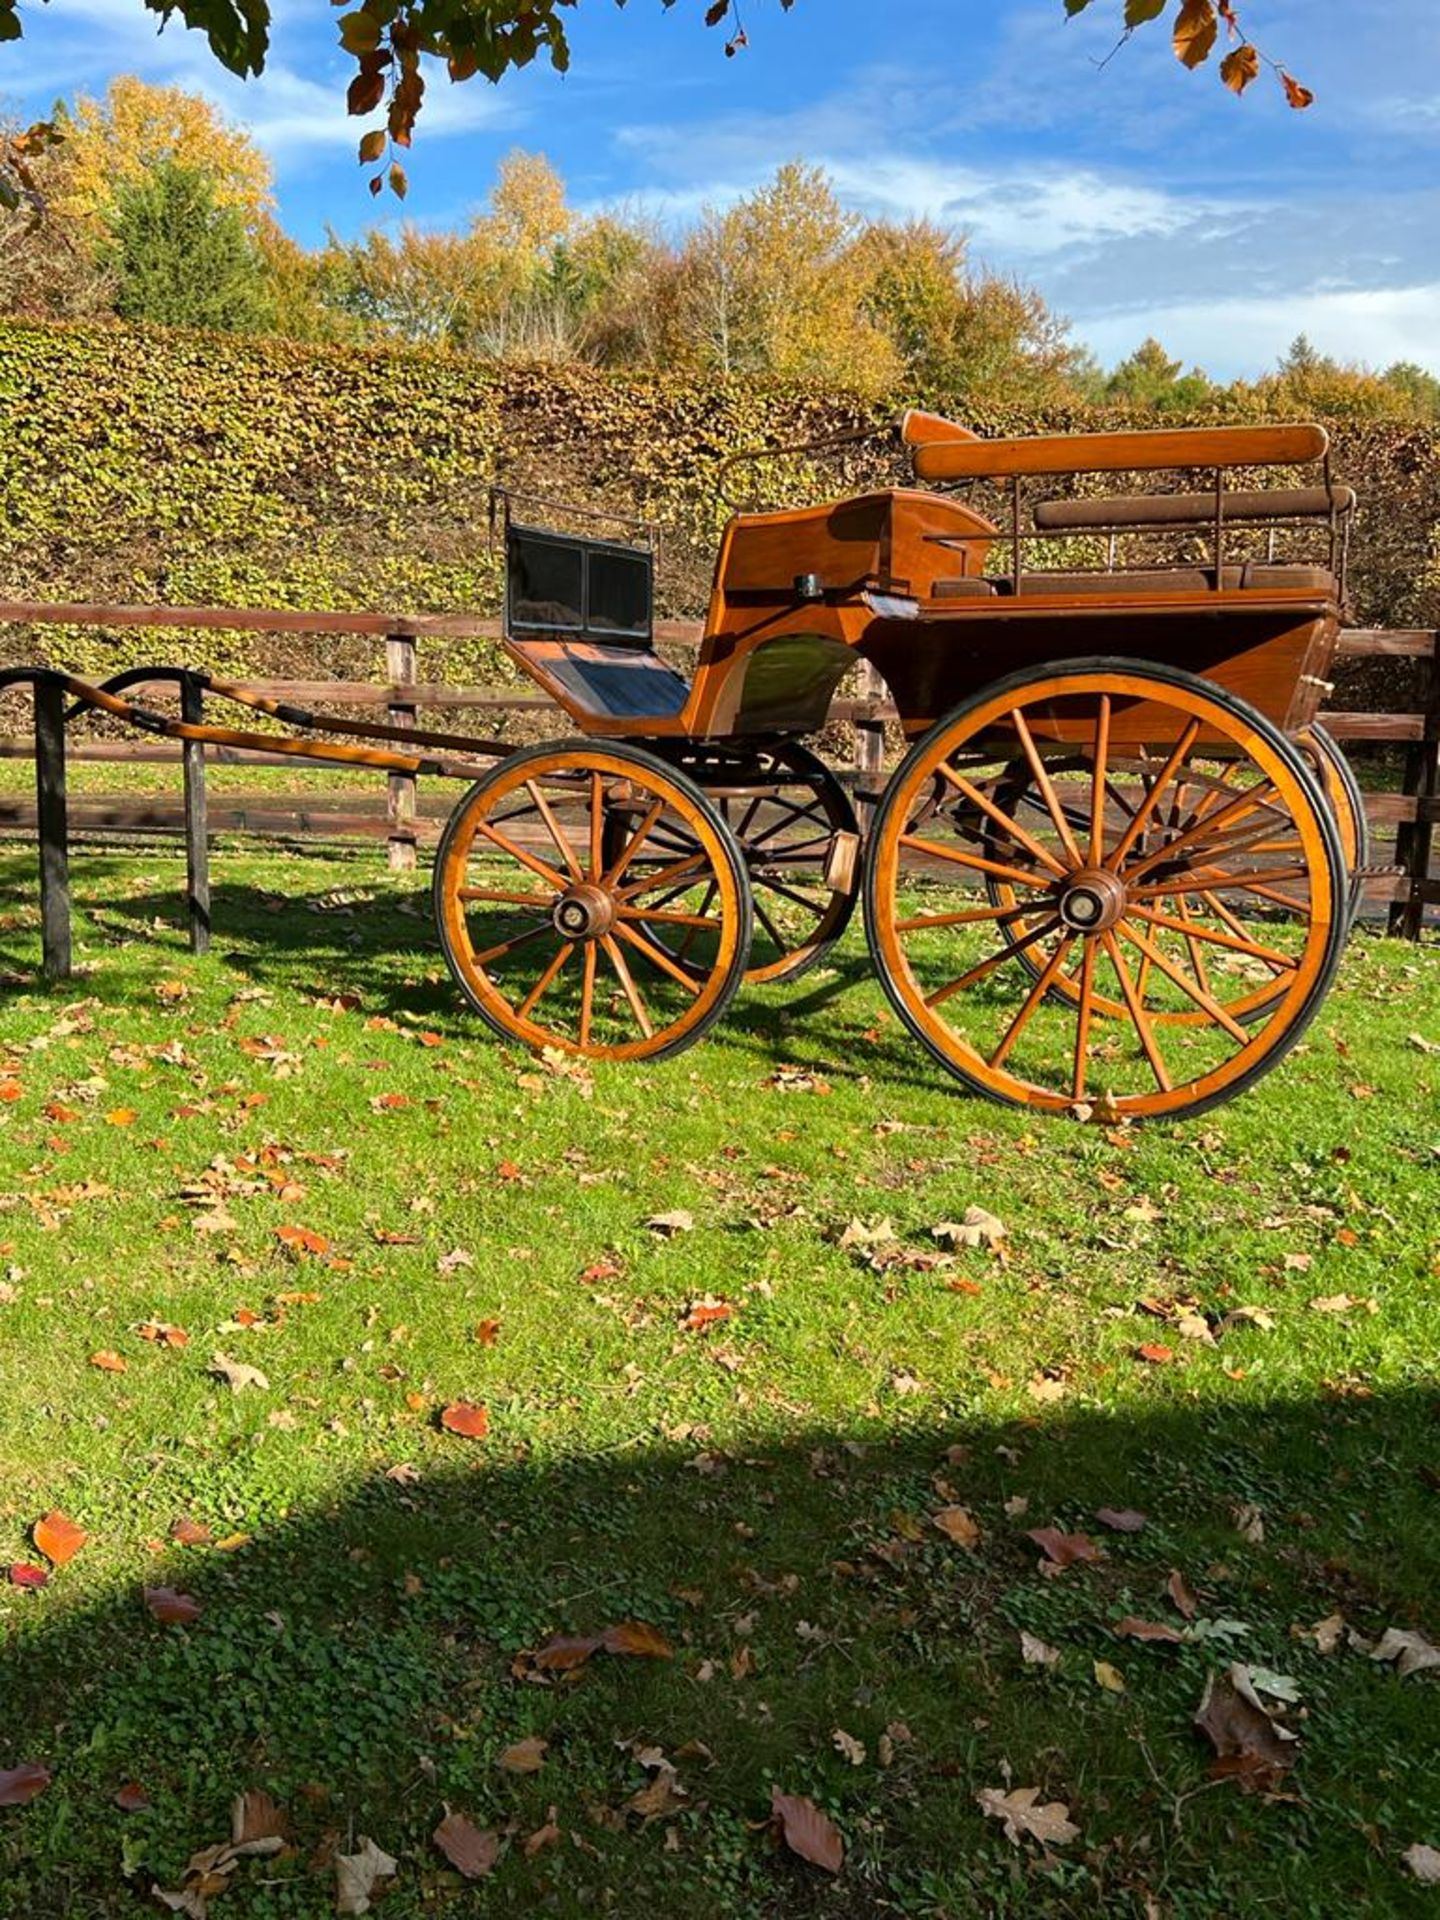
(131, 1798)
(1132, 1629)
(61, 1115)
(807, 1831)
(58, 1538)
(635, 1637)
(526, 1756)
(508, 1170)
(488, 1332)
(109, 1362)
(1157, 1354)
(186, 1532)
(1195, 31)
(10, 1090)
(705, 1313)
(121, 1117)
(19, 1785)
(565, 1651)
(431, 1039)
(1298, 96)
(463, 1418)
(175, 1609)
(1240, 67)
(163, 1334)
(302, 1240)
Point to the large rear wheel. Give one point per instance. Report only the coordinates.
(548, 897)
(1092, 951)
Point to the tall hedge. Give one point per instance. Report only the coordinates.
(146, 465)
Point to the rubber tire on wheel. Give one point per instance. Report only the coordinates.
(1194, 701)
(569, 763)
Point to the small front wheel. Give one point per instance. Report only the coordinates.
(1126, 961)
(548, 897)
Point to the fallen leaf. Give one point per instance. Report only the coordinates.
(636, 1638)
(470, 1421)
(471, 1850)
(546, 1836)
(1327, 1633)
(1250, 1523)
(186, 1532)
(1411, 1652)
(257, 1824)
(1120, 1519)
(161, 1334)
(121, 1117)
(236, 1375)
(20, 1785)
(807, 1831)
(58, 1538)
(1065, 1549)
(706, 1313)
(976, 1228)
(25, 1574)
(1333, 1303)
(956, 1524)
(356, 1875)
(526, 1756)
(108, 1362)
(1424, 1862)
(848, 1747)
(1050, 1824)
(1131, 1628)
(302, 1240)
(1036, 1653)
(174, 1608)
(669, 1224)
(1109, 1677)
(1249, 1744)
(1155, 1353)
(1178, 1589)
(487, 1332)
(131, 1798)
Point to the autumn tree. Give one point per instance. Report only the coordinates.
(112, 143)
(178, 257)
(1150, 378)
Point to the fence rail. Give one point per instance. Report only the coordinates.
(1405, 817)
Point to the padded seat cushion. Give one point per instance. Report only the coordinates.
(1255, 576)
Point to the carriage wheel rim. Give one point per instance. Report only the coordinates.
(946, 1019)
(577, 909)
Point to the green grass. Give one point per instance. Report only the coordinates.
(764, 1485)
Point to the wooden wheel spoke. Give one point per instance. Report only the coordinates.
(498, 894)
(1032, 1000)
(932, 849)
(1010, 950)
(1195, 930)
(1137, 1013)
(1006, 822)
(762, 915)
(795, 812)
(795, 853)
(921, 921)
(664, 876)
(587, 993)
(790, 894)
(597, 829)
(1100, 754)
(542, 868)
(1177, 754)
(612, 877)
(628, 986)
(1203, 878)
(1083, 1011)
(1203, 830)
(711, 889)
(1222, 912)
(655, 917)
(528, 1004)
(557, 833)
(509, 946)
(1194, 946)
(657, 956)
(1192, 988)
(1044, 783)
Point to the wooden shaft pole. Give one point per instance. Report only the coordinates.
(400, 672)
(197, 839)
(51, 828)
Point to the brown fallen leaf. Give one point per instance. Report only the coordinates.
(1037, 1653)
(1411, 1652)
(20, 1785)
(636, 1638)
(1131, 1628)
(957, 1525)
(525, 1756)
(1155, 1352)
(357, 1875)
(807, 1831)
(302, 1240)
(547, 1836)
(131, 1798)
(186, 1532)
(471, 1850)
(563, 1651)
(236, 1374)
(58, 1538)
(108, 1362)
(469, 1421)
(257, 1823)
(706, 1312)
(669, 1224)
(1182, 1598)
(1250, 1746)
(1327, 1633)
(976, 1228)
(173, 1608)
(1065, 1549)
(1120, 1519)
(1050, 1824)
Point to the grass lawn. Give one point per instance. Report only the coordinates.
(1227, 1326)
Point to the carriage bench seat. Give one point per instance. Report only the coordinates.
(1254, 576)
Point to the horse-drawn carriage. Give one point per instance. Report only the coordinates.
(1113, 872)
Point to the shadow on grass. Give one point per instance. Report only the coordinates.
(356, 1661)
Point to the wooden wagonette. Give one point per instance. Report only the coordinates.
(1113, 873)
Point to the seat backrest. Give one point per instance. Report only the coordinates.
(565, 585)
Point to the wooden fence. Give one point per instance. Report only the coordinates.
(1402, 819)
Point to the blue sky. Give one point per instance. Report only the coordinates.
(1139, 198)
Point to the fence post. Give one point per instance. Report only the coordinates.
(1415, 838)
(52, 828)
(400, 804)
(869, 746)
(197, 839)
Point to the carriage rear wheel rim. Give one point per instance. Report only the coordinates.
(1149, 899)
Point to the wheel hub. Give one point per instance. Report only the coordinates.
(1092, 900)
(583, 912)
